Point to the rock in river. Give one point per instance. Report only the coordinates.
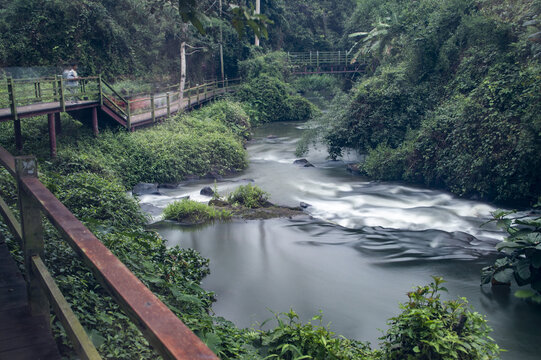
(303, 162)
(207, 191)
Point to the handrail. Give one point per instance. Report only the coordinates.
(114, 91)
(160, 326)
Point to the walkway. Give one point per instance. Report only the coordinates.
(22, 336)
(97, 100)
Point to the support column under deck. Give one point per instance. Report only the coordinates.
(18, 135)
(58, 123)
(52, 134)
(95, 128)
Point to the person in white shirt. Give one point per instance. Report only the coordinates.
(72, 83)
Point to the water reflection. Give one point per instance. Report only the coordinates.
(367, 245)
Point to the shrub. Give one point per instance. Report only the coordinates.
(250, 196)
(230, 113)
(189, 211)
(429, 328)
(291, 339)
(92, 198)
(522, 255)
(272, 64)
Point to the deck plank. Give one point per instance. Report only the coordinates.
(22, 336)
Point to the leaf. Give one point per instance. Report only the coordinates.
(96, 338)
(523, 269)
(524, 294)
(504, 276)
(507, 244)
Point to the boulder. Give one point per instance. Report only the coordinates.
(304, 205)
(145, 189)
(353, 168)
(303, 163)
(167, 186)
(207, 191)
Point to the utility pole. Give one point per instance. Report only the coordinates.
(257, 11)
(221, 44)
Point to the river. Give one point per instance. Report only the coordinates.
(363, 247)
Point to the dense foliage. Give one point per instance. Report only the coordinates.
(522, 255)
(429, 328)
(451, 96)
(266, 93)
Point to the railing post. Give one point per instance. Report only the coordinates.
(205, 89)
(338, 57)
(26, 167)
(12, 103)
(55, 88)
(128, 110)
(100, 90)
(317, 58)
(198, 89)
(153, 108)
(62, 100)
(168, 105)
(310, 58)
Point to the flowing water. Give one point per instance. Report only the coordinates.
(363, 246)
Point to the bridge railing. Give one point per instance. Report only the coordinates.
(22, 92)
(321, 58)
(160, 326)
(169, 101)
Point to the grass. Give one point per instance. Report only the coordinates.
(250, 196)
(193, 212)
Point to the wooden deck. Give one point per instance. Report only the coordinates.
(45, 108)
(22, 336)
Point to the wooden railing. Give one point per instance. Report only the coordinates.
(160, 326)
(23, 92)
(168, 99)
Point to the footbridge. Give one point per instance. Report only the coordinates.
(92, 98)
(324, 62)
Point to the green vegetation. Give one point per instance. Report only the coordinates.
(429, 328)
(522, 255)
(269, 98)
(450, 99)
(193, 212)
(250, 196)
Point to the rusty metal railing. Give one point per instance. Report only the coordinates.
(160, 326)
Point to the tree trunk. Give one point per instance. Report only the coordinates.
(257, 11)
(221, 43)
(182, 72)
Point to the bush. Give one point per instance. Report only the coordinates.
(189, 211)
(250, 196)
(522, 255)
(429, 328)
(291, 339)
(230, 114)
(92, 198)
(271, 64)
(271, 99)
